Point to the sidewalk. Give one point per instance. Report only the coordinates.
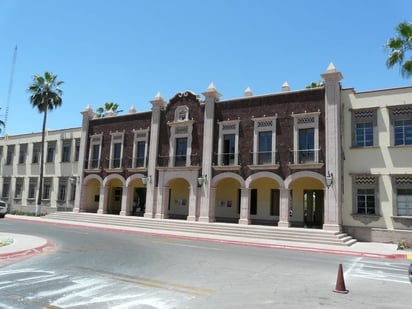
(26, 244)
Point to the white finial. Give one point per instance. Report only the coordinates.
(331, 68)
(211, 87)
(248, 92)
(88, 108)
(159, 96)
(285, 86)
(132, 110)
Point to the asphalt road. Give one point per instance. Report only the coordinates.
(105, 269)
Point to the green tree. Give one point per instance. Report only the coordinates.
(109, 107)
(399, 46)
(45, 96)
(314, 85)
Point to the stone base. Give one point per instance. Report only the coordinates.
(283, 224)
(244, 221)
(206, 219)
(332, 227)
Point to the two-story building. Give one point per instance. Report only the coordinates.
(265, 159)
(20, 170)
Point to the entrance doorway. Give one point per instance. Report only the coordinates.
(139, 202)
(313, 205)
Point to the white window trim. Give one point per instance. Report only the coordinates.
(297, 126)
(393, 118)
(179, 110)
(256, 132)
(356, 186)
(95, 140)
(141, 135)
(223, 132)
(114, 141)
(174, 136)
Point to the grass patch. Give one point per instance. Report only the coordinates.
(5, 241)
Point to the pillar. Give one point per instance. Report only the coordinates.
(244, 206)
(284, 207)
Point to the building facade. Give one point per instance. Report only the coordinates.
(272, 159)
(20, 170)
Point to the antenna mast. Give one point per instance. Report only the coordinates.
(6, 115)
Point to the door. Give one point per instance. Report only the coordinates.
(313, 206)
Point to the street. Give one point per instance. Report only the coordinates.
(106, 269)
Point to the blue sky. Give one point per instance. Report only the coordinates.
(125, 51)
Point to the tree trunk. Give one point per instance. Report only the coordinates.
(43, 133)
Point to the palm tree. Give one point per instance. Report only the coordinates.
(399, 46)
(45, 96)
(109, 107)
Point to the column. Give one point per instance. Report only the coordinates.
(244, 206)
(206, 201)
(125, 201)
(284, 207)
(193, 194)
(162, 205)
(157, 105)
(104, 193)
(333, 155)
(84, 136)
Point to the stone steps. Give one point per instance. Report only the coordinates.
(224, 229)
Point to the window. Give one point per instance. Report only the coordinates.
(140, 141)
(10, 155)
(47, 186)
(6, 188)
(32, 188)
(403, 132)
(403, 191)
(94, 154)
(181, 151)
(22, 153)
(364, 128)
(228, 143)
(18, 188)
(307, 145)
(62, 189)
(401, 118)
(36, 153)
(306, 148)
(180, 140)
(66, 150)
(77, 150)
(116, 151)
(264, 143)
(51, 147)
(365, 195)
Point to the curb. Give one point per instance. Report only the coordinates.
(227, 241)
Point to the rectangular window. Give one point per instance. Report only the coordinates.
(181, 151)
(404, 202)
(10, 155)
(62, 190)
(364, 134)
(229, 149)
(51, 147)
(36, 153)
(32, 188)
(306, 145)
(274, 202)
(365, 201)
(364, 128)
(22, 153)
(117, 155)
(95, 156)
(18, 188)
(140, 154)
(403, 132)
(77, 150)
(265, 147)
(47, 189)
(66, 150)
(6, 188)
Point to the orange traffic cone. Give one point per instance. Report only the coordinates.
(340, 282)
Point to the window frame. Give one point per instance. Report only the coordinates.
(180, 129)
(303, 121)
(401, 182)
(364, 116)
(66, 150)
(94, 160)
(117, 140)
(400, 113)
(22, 153)
(365, 182)
(140, 136)
(263, 125)
(228, 127)
(50, 151)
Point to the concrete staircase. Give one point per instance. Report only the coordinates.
(224, 229)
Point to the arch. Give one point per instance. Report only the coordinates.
(219, 177)
(112, 177)
(133, 177)
(170, 177)
(269, 175)
(92, 176)
(303, 174)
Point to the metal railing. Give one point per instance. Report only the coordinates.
(226, 159)
(305, 156)
(264, 158)
(181, 160)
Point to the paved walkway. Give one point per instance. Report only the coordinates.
(24, 245)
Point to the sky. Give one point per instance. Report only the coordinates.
(126, 51)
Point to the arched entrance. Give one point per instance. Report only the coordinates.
(91, 195)
(227, 204)
(137, 198)
(178, 205)
(114, 199)
(264, 201)
(307, 202)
